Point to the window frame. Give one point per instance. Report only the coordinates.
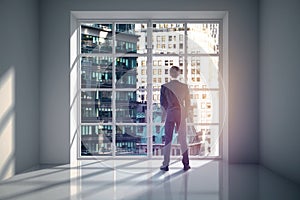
(223, 108)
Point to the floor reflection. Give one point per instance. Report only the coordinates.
(142, 179)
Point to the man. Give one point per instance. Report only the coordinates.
(175, 102)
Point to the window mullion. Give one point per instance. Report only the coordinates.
(149, 88)
(79, 116)
(113, 90)
(185, 54)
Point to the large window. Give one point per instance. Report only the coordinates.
(122, 67)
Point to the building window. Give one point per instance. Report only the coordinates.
(159, 63)
(166, 63)
(181, 38)
(143, 63)
(159, 71)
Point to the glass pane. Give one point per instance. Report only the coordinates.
(126, 72)
(131, 140)
(141, 31)
(205, 106)
(203, 71)
(203, 140)
(168, 38)
(157, 112)
(141, 80)
(96, 106)
(96, 38)
(129, 109)
(203, 38)
(129, 37)
(96, 72)
(96, 140)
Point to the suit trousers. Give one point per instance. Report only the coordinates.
(174, 119)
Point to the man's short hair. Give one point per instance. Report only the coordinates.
(174, 71)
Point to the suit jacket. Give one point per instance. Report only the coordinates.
(174, 97)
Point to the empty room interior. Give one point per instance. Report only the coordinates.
(81, 99)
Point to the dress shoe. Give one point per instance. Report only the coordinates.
(187, 167)
(166, 168)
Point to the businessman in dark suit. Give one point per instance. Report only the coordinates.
(175, 102)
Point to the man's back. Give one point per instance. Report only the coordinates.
(174, 95)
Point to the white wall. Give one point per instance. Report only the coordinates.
(243, 69)
(279, 87)
(19, 86)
